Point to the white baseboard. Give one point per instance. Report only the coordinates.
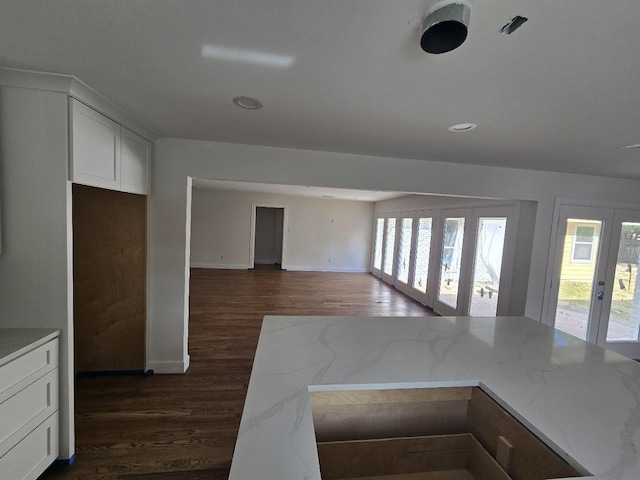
(221, 266)
(170, 367)
(225, 266)
(326, 269)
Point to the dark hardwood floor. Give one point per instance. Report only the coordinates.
(174, 427)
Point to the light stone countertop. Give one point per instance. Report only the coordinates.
(584, 400)
(15, 342)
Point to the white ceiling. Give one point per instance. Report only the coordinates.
(560, 94)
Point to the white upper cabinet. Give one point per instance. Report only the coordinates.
(105, 154)
(95, 148)
(135, 160)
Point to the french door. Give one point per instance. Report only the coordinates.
(383, 263)
(595, 290)
(448, 259)
(453, 270)
(404, 257)
(491, 251)
(421, 274)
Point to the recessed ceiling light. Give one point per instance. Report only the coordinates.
(629, 147)
(249, 103)
(462, 127)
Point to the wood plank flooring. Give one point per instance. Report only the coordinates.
(175, 427)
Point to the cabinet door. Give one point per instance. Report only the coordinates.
(136, 158)
(95, 148)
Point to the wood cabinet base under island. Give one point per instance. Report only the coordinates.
(455, 433)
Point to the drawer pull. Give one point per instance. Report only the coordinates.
(503, 454)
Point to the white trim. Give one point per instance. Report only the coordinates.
(220, 266)
(327, 269)
(75, 88)
(572, 202)
(30, 79)
(170, 367)
(390, 277)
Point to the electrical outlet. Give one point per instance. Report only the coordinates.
(329, 260)
(221, 257)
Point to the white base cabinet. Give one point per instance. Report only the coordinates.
(29, 399)
(105, 154)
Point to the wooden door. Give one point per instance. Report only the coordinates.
(109, 270)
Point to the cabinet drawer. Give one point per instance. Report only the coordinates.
(19, 373)
(31, 456)
(22, 412)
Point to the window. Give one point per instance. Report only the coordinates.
(422, 254)
(389, 246)
(451, 260)
(377, 255)
(583, 242)
(404, 250)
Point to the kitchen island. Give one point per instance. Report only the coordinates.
(582, 400)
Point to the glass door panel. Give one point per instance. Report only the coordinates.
(404, 250)
(377, 249)
(451, 261)
(423, 247)
(624, 314)
(487, 265)
(580, 251)
(390, 245)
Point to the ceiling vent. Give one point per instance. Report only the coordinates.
(445, 28)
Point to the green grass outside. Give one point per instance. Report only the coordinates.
(577, 294)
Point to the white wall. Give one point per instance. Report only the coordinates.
(177, 160)
(425, 202)
(36, 261)
(322, 234)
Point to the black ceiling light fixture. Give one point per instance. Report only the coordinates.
(445, 27)
(515, 23)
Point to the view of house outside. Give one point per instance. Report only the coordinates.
(580, 258)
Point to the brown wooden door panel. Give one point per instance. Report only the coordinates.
(109, 286)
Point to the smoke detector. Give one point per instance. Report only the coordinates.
(445, 27)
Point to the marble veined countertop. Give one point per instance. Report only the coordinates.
(581, 398)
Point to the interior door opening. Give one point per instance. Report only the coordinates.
(268, 241)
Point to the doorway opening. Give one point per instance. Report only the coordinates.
(268, 237)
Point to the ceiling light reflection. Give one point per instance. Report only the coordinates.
(246, 56)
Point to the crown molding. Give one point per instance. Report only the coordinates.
(76, 88)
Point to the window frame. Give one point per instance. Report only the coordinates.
(576, 242)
